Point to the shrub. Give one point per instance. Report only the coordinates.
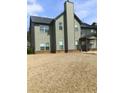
(29, 51)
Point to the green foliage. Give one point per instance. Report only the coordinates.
(29, 51)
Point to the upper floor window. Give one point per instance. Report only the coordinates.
(44, 28)
(76, 28)
(60, 26)
(93, 31)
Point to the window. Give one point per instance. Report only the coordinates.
(92, 31)
(47, 46)
(60, 26)
(76, 28)
(44, 28)
(76, 44)
(44, 46)
(61, 45)
(91, 41)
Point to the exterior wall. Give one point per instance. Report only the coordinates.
(77, 34)
(32, 38)
(59, 33)
(95, 44)
(40, 37)
(52, 38)
(92, 44)
(69, 29)
(87, 31)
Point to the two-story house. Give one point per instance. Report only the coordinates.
(66, 32)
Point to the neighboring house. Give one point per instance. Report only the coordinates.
(63, 33)
(88, 39)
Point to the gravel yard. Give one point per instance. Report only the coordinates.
(62, 73)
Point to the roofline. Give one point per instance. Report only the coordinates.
(90, 27)
(59, 15)
(54, 19)
(40, 22)
(42, 16)
(74, 16)
(78, 18)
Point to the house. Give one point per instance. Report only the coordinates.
(88, 39)
(66, 32)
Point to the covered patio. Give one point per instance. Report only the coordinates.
(88, 43)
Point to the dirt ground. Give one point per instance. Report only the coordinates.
(62, 73)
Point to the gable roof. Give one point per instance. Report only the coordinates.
(77, 18)
(43, 20)
(85, 25)
(59, 15)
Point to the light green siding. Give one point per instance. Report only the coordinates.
(77, 33)
(59, 33)
(40, 38)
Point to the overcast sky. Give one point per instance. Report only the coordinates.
(84, 9)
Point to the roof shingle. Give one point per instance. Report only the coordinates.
(43, 20)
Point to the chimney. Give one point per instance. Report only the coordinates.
(69, 25)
